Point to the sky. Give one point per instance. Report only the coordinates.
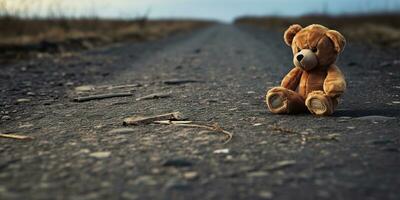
(223, 10)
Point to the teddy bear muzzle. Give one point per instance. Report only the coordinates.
(305, 59)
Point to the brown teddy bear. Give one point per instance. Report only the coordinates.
(315, 83)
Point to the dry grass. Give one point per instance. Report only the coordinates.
(23, 35)
(17, 31)
(21, 38)
(375, 29)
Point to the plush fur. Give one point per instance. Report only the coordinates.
(315, 83)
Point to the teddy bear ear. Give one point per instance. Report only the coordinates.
(337, 39)
(290, 33)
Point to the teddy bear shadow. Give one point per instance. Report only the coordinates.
(367, 112)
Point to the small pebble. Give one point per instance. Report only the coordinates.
(145, 180)
(26, 126)
(100, 154)
(84, 151)
(221, 151)
(84, 88)
(266, 194)
(69, 83)
(23, 100)
(229, 157)
(5, 117)
(190, 175)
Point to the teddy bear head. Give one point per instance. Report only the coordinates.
(314, 46)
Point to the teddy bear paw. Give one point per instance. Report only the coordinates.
(319, 105)
(276, 103)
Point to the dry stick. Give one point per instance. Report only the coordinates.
(139, 120)
(122, 86)
(17, 137)
(281, 164)
(102, 96)
(277, 128)
(157, 95)
(168, 122)
(215, 127)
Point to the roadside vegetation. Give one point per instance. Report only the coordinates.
(24, 35)
(381, 29)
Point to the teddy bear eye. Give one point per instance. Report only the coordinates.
(298, 49)
(314, 49)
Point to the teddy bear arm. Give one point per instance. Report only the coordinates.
(334, 84)
(292, 79)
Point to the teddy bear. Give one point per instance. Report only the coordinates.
(315, 83)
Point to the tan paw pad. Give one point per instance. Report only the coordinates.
(276, 103)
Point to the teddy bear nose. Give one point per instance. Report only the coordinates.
(299, 57)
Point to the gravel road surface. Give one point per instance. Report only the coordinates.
(219, 74)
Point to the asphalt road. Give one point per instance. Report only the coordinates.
(80, 152)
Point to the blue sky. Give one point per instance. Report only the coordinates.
(224, 10)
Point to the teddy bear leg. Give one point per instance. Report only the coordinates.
(320, 104)
(281, 100)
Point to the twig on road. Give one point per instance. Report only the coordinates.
(169, 122)
(17, 137)
(111, 87)
(281, 129)
(157, 95)
(281, 164)
(175, 119)
(88, 88)
(140, 120)
(214, 127)
(102, 96)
